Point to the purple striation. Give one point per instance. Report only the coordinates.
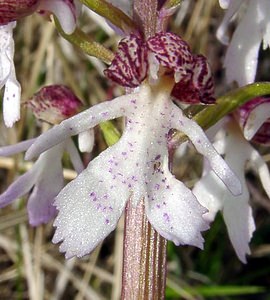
(171, 52)
(129, 67)
(54, 103)
(199, 87)
(164, 54)
(12, 10)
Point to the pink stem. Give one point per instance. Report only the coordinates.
(144, 263)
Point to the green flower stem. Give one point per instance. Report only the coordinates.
(210, 115)
(111, 13)
(82, 40)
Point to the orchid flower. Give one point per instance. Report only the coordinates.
(212, 193)
(10, 11)
(136, 168)
(254, 27)
(46, 175)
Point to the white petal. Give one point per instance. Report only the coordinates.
(11, 102)
(81, 122)
(48, 184)
(203, 146)
(12, 94)
(233, 6)
(17, 148)
(6, 51)
(86, 140)
(236, 211)
(260, 166)
(242, 54)
(256, 119)
(224, 3)
(90, 206)
(240, 224)
(173, 210)
(209, 192)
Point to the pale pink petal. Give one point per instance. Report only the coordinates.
(17, 148)
(66, 12)
(80, 122)
(74, 156)
(48, 184)
(21, 186)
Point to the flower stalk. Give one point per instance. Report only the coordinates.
(144, 263)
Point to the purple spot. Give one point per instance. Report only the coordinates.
(124, 153)
(104, 114)
(157, 157)
(157, 186)
(107, 221)
(167, 187)
(166, 217)
(158, 205)
(92, 194)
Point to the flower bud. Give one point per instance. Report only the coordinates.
(54, 103)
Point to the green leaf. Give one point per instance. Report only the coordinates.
(110, 133)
